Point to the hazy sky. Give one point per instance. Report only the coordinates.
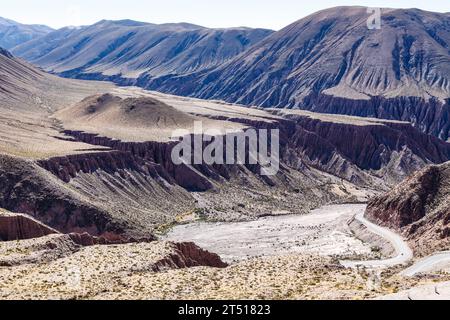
(273, 14)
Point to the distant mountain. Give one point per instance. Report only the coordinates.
(13, 33)
(328, 62)
(331, 62)
(334, 51)
(25, 89)
(130, 49)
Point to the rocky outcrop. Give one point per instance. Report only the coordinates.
(369, 139)
(20, 227)
(69, 166)
(431, 116)
(27, 188)
(389, 150)
(385, 150)
(187, 255)
(419, 207)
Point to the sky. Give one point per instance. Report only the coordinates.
(271, 14)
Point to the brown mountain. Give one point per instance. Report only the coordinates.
(328, 62)
(128, 49)
(97, 158)
(419, 207)
(331, 62)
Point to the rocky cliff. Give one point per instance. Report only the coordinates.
(79, 208)
(431, 116)
(383, 146)
(20, 227)
(419, 207)
(187, 255)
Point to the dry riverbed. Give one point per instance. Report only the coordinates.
(324, 232)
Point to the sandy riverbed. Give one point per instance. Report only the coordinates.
(324, 231)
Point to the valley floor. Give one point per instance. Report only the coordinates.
(265, 263)
(324, 232)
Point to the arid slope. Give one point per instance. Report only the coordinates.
(420, 208)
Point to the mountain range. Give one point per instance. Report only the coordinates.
(327, 62)
(90, 189)
(331, 62)
(13, 33)
(130, 49)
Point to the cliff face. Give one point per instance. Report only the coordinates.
(355, 148)
(13, 33)
(419, 207)
(78, 208)
(431, 116)
(19, 227)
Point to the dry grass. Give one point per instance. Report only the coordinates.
(127, 272)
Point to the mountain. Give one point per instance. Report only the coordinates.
(28, 90)
(419, 207)
(331, 62)
(328, 62)
(86, 156)
(129, 49)
(13, 33)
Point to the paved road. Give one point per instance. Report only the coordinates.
(403, 251)
(431, 263)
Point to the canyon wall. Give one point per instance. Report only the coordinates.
(419, 208)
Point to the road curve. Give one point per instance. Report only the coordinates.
(403, 251)
(427, 264)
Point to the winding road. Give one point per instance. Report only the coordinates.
(431, 263)
(403, 251)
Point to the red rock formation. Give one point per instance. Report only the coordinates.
(21, 226)
(26, 187)
(187, 255)
(419, 207)
(321, 144)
